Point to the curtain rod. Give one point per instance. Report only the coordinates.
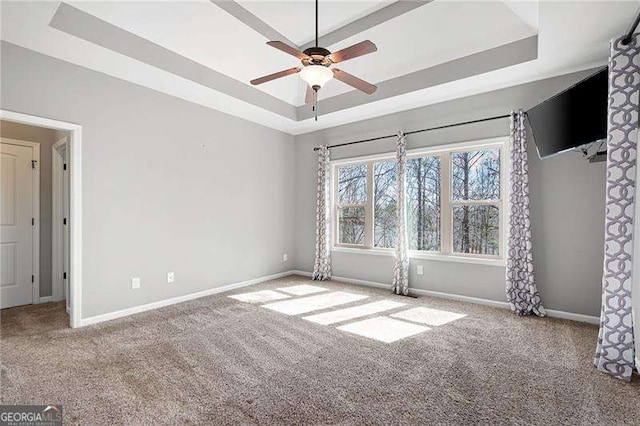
(497, 117)
(629, 35)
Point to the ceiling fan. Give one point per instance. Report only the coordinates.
(316, 63)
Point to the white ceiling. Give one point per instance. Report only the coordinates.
(433, 34)
(296, 19)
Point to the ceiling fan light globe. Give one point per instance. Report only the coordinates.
(316, 75)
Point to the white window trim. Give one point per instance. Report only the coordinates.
(446, 242)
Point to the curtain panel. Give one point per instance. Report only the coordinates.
(616, 348)
(521, 290)
(322, 264)
(400, 282)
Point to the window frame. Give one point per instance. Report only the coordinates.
(447, 203)
(335, 208)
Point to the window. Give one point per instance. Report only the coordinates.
(385, 202)
(475, 178)
(423, 203)
(352, 198)
(455, 197)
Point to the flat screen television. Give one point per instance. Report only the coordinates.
(572, 118)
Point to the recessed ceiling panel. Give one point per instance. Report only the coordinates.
(422, 38)
(296, 19)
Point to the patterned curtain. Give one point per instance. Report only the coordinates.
(615, 350)
(400, 283)
(322, 264)
(522, 293)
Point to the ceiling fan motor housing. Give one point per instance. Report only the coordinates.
(317, 56)
(317, 51)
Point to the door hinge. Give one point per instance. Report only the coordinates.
(34, 163)
(32, 279)
(64, 166)
(64, 221)
(33, 221)
(64, 276)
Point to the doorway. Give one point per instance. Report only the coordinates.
(68, 151)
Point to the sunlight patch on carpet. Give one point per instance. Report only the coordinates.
(314, 303)
(384, 329)
(428, 316)
(262, 296)
(302, 290)
(345, 314)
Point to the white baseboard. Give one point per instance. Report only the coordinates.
(461, 298)
(179, 299)
(362, 282)
(574, 317)
(477, 300)
(45, 299)
(347, 280)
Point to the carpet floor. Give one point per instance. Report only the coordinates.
(218, 360)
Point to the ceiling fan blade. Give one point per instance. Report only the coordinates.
(354, 81)
(359, 49)
(275, 75)
(310, 96)
(287, 49)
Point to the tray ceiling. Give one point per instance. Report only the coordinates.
(207, 51)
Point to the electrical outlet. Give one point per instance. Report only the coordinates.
(170, 277)
(284, 257)
(420, 269)
(135, 283)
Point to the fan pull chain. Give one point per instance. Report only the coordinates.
(315, 104)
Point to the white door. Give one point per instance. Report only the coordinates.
(16, 215)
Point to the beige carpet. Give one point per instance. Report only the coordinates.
(218, 360)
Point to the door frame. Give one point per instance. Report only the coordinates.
(35, 228)
(58, 229)
(75, 202)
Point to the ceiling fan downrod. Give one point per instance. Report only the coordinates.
(321, 54)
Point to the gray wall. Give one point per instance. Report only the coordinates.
(567, 202)
(172, 186)
(167, 185)
(46, 138)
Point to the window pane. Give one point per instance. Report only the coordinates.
(352, 184)
(351, 225)
(385, 198)
(475, 229)
(476, 175)
(423, 203)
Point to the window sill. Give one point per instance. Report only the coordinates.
(424, 256)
